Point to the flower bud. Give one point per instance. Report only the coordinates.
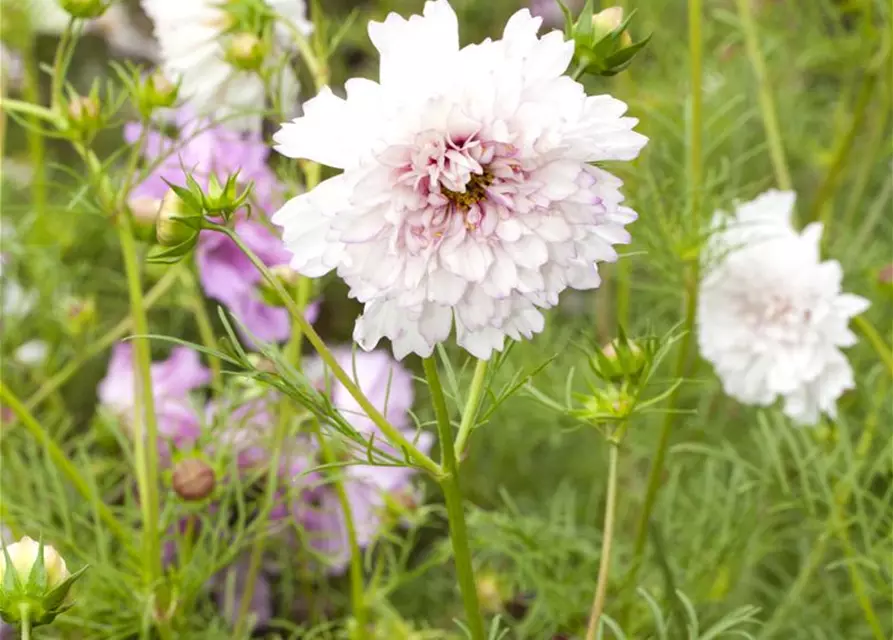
(84, 9)
(23, 555)
(602, 46)
(80, 314)
(159, 91)
(34, 582)
(144, 209)
(194, 479)
(621, 360)
(246, 51)
(170, 230)
(83, 112)
(491, 592)
(606, 21)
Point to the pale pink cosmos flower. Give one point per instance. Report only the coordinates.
(468, 195)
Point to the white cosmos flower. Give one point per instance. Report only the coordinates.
(771, 315)
(193, 52)
(467, 194)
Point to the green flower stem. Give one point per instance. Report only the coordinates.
(205, 328)
(36, 145)
(66, 466)
(877, 342)
(112, 336)
(145, 424)
(390, 432)
(767, 101)
(452, 493)
(601, 589)
(695, 161)
(257, 550)
(357, 587)
(25, 613)
(472, 405)
(820, 206)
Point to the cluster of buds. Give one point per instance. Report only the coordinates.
(623, 368)
(34, 583)
(148, 91)
(602, 44)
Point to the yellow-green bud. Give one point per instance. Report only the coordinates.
(23, 555)
(84, 9)
(169, 231)
(606, 21)
(246, 51)
(160, 91)
(490, 592)
(83, 111)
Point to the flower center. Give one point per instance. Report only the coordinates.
(475, 190)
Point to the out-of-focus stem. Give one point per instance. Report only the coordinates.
(601, 589)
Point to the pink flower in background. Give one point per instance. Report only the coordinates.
(390, 389)
(551, 13)
(172, 380)
(227, 275)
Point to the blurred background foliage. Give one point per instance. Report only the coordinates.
(753, 512)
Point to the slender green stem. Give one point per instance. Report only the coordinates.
(695, 161)
(101, 344)
(257, 550)
(357, 587)
(205, 328)
(29, 109)
(820, 206)
(25, 613)
(66, 466)
(390, 432)
(767, 100)
(877, 342)
(452, 493)
(36, 145)
(145, 424)
(601, 589)
(842, 493)
(472, 405)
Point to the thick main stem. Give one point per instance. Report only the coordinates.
(452, 493)
(601, 589)
(390, 432)
(145, 423)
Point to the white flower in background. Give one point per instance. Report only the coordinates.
(32, 353)
(23, 555)
(467, 194)
(15, 301)
(771, 315)
(193, 52)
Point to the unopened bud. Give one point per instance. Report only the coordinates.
(84, 9)
(34, 582)
(144, 210)
(80, 315)
(246, 51)
(490, 592)
(169, 229)
(160, 92)
(608, 20)
(194, 479)
(83, 110)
